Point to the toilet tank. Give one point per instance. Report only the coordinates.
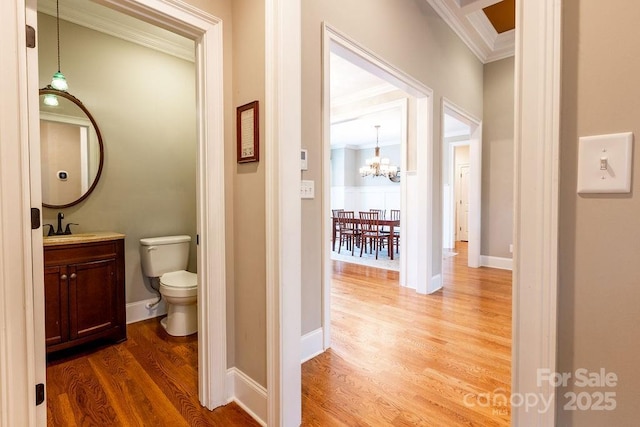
(159, 255)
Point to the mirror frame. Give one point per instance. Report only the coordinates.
(49, 90)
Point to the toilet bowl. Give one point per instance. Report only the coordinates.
(165, 259)
(179, 289)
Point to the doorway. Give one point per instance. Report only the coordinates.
(461, 130)
(416, 172)
(206, 31)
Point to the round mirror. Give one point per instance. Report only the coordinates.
(71, 149)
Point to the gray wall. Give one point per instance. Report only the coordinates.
(148, 126)
(599, 292)
(408, 34)
(497, 158)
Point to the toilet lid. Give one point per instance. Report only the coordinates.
(179, 279)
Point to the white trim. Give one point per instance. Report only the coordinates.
(436, 283)
(496, 262)
(247, 394)
(311, 344)
(473, 28)
(90, 15)
(536, 179)
(475, 178)
(283, 98)
(140, 310)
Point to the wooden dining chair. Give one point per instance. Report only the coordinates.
(370, 232)
(382, 214)
(336, 231)
(349, 231)
(395, 216)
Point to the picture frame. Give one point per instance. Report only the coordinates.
(248, 133)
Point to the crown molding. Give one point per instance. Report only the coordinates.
(86, 14)
(469, 22)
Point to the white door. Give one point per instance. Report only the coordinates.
(462, 203)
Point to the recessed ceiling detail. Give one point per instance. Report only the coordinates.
(502, 15)
(468, 20)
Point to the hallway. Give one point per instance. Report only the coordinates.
(399, 358)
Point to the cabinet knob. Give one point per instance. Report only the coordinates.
(63, 277)
(73, 275)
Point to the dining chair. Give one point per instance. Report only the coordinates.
(370, 232)
(349, 231)
(382, 214)
(336, 231)
(395, 216)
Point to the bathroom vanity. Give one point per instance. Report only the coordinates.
(84, 289)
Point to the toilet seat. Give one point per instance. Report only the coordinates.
(179, 283)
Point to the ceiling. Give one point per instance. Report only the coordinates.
(356, 129)
(473, 21)
(486, 26)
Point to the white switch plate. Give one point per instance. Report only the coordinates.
(613, 151)
(307, 189)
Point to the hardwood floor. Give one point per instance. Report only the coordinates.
(148, 380)
(398, 358)
(403, 359)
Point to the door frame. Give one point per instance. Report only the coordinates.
(475, 177)
(206, 31)
(536, 186)
(415, 212)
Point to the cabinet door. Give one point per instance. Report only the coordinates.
(56, 299)
(92, 297)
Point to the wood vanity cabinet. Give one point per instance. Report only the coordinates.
(84, 290)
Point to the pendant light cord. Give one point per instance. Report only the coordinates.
(58, 30)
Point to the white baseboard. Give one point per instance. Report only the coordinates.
(311, 344)
(496, 262)
(436, 283)
(247, 394)
(138, 311)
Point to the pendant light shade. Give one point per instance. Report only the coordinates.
(59, 81)
(51, 100)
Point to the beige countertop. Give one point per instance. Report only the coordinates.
(68, 239)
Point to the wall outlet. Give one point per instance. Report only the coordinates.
(511, 248)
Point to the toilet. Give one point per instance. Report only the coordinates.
(166, 258)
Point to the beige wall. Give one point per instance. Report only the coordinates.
(599, 292)
(249, 197)
(497, 159)
(148, 126)
(408, 34)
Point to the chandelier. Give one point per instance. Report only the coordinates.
(378, 166)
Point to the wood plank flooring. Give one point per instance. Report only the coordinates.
(397, 359)
(402, 359)
(149, 380)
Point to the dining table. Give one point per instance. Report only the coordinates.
(391, 223)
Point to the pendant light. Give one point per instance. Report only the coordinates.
(58, 81)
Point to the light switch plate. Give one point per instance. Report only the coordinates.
(307, 189)
(604, 163)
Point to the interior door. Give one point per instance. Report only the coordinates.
(462, 205)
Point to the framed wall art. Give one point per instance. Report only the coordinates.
(247, 125)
